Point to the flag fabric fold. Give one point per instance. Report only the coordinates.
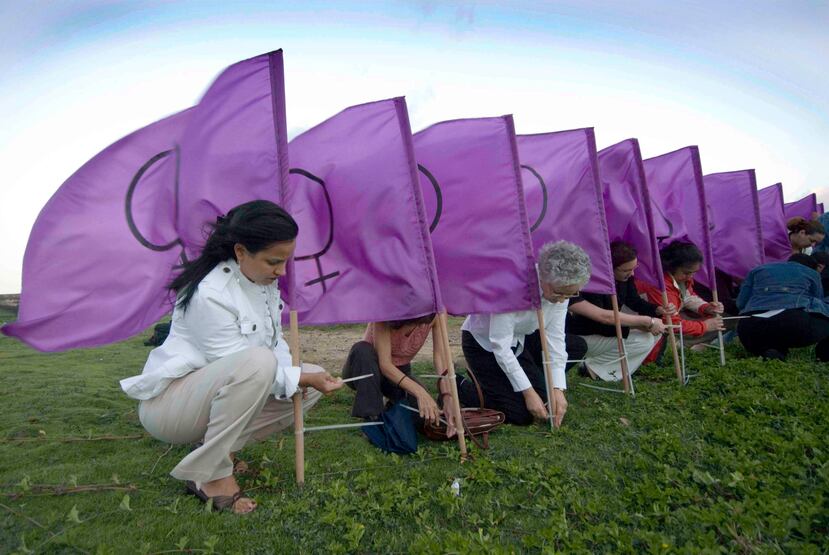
(676, 187)
(803, 208)
(563, 196)
(736, 234)
(471, 182)
(628, 206)
(776, 246)
(363, 253)
(105, 246)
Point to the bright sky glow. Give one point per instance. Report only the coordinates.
(746, 81)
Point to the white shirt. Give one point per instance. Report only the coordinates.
(228, 313)
(499, 333)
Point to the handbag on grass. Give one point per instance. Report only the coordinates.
(477, 421)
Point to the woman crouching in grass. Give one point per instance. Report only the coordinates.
(386, 353)
(504, 350)
(223, 377)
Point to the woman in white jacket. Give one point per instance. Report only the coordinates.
(224, 376)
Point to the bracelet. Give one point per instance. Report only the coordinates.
(401, 379)
(650, 327)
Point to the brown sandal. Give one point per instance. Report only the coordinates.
(220, 502)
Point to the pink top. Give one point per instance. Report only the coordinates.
(404, 344)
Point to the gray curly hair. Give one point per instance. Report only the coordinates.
(563, 263)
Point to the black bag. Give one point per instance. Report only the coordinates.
(160, 333)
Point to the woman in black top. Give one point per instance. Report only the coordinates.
(591, 316)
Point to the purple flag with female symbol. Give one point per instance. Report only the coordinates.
(363, 253)
(804, 208)
(563, 196)
(677, 191)
(628, 206)
(105, 245)
(776, 244)
(103, 248)
(235, 148)
(736, 234)
(471, 183)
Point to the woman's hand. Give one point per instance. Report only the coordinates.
(657, 326)
(714, 324)
(535, 405)
(323, 382)
(561, 406)
(427, 406)
(713, 308)
(670, 310)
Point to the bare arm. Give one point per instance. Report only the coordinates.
(603, 316)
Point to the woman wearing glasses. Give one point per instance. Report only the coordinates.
(504, 350)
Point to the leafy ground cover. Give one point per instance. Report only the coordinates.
(737, 461)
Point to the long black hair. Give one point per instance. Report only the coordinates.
(255, 225)
(678, 255)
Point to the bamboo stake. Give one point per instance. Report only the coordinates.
(672, 339)
(719, 332)
(299, 438)
(443, 335)
(626, 379)
(548, 371)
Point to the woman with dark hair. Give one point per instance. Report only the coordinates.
(224, 377)
(386, 352)
(805, 234)
(591, 316)
(785, 300)
(700, 320)
(504, 350)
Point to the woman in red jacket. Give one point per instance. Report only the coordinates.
(700, 320)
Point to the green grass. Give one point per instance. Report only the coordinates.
(736, 462)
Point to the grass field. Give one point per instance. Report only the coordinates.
(736, 462)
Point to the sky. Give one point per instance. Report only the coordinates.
(748, 82)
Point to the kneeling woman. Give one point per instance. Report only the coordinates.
(504, 350)
(592, 318)
(786, 300)
(700, 320)
(386, 353)
(224, 377)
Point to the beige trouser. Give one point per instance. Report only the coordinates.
(226, 404)
(603, 353)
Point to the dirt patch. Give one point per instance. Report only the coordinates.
(329, 347)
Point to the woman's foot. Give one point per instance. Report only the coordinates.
(228, 487)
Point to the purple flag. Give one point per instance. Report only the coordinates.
(564, 197)
(471, 182)
(820, 211)
(235, 148)
(776, 244)
(102, 249)
(677, 191)
(628, 206)
(736, 234)
(363, 252)
(93, 274)
(804, 208)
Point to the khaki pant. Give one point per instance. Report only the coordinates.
(225, 405)
(603, 353)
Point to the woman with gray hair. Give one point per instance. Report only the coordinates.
(504, 350)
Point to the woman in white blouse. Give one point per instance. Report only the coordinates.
(504, 350)
(224, 376)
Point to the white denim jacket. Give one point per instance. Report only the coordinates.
(228, 313)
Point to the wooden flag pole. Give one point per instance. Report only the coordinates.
(443, 334)
(548, 371)
(299, 432)
(672, 338)
(719, 332)
(626, 379)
